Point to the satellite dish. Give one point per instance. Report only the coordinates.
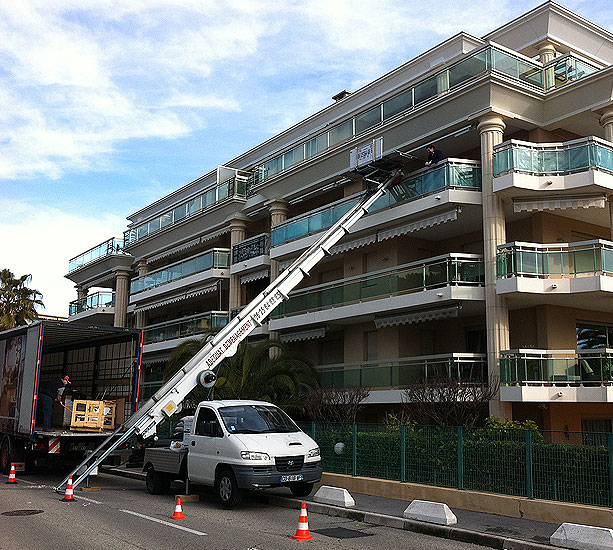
(207, 378)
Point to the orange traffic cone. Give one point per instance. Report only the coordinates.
(302, 533)
(68, 494)
(178, 511)
(12, 478)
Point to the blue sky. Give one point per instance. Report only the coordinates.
(109, 105)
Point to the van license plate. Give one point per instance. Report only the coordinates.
(297, 477)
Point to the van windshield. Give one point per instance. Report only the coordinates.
(256, 419)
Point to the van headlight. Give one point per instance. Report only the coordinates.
(253, 455)
(313, 453)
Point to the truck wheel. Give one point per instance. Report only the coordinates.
(6, 454)
(301, 489)
(227, 489)
(157, 483)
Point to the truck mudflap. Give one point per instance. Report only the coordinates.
(255, 477)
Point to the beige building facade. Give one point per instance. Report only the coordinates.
(495, 263)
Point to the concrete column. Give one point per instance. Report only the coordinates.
(141, 316)
(81, 292)
(606, 121)
(122, 288)
(491, 129)
(279, 210)
(547, 52)
(238, 225)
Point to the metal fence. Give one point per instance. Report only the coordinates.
(565, 466)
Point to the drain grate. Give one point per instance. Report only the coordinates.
(22, 512)
(341, 533)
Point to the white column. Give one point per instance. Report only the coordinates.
(491, 128)
(238, 226)
(122, 288)
(606, 121)
(141, 316)
(81, 292)
(547, 52)
(279, 210)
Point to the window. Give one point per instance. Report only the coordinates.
(254, 419)
(371, 345)
(594, 336)
(595, 431)
(207, 423)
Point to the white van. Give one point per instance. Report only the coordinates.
(237, 445)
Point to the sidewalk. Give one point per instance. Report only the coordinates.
(489, 530)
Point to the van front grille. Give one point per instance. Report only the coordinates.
(289, 463)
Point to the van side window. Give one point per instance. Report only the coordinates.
(207, 423)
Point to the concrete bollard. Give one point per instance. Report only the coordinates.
(582, 537)
(336, 496)
(431, 512)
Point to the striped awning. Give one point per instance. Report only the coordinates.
(350, 245)
(558, 203)
(255, 276)
(186, 295)
(188, 244)
(303, 335)
(431, 221)
(410, 318)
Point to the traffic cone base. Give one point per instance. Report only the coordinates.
(12, 479)
(178, 511)
(68, 493)
(302, 533)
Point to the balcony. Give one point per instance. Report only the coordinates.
(437, 280)
(92, 301)
(562, 273)
(525, 170)
(557, 376)
(452, 175)
(251, 254)
(158, 336)
(108, 247)
(233, 188)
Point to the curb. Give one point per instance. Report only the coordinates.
(441, 531)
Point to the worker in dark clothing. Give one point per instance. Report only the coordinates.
(50, 392)
(434, 155)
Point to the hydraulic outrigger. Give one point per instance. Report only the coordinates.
(225, 343)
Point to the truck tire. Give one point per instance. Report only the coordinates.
(301, 489)
(6, 454)
(227, 489)
(157, 483)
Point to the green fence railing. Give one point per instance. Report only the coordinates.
(564, 466)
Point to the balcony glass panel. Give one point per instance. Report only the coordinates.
(316, 145)
(92, 301)
(340, 133)
(398, 373)
(505, 63)
(408, 278)
(425, 90)
(202, 262)
(575, 259)
(368, 119)
(110, 246)
(468, 68)
(185, 327)
(453, 173)
(397, 104)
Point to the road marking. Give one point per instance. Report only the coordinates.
(79, 497)
(193, 531)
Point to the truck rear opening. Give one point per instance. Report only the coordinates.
(103, 364)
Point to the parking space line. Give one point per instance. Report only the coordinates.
(79, 497)
(193, 531)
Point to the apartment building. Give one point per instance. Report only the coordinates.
(495, 262)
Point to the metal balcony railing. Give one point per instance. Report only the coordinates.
(585, 366)
(449, 269)
(449, 174)
(251, 248)
(186, 326)
(578, 155)
(110, 246)
(92, 301)
(215, 258)
(587, 258)
(398, 373)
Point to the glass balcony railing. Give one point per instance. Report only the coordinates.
(450, 269)
(450, 174)
(251, 248)
(216, 258)
(569, 157)
(233, 188)
(550, 366)
(399, 373)
(186, 326)
(588, 258)
(92, 301)
(559, 72)
(110, 246)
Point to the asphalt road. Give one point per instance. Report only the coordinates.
(122, 515)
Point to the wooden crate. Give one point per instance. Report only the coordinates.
(93, 415)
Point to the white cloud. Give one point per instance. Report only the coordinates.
(43, 244)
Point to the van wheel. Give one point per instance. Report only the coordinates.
(6, 454)
(301, 489)
(157, 483)
(227, 489)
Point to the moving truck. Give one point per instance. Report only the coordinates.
(103, 363)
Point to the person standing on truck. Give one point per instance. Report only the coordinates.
(50, 392)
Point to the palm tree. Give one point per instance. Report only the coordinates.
(17, 301)
(251, 373)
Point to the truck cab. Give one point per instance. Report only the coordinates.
(239, 445)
